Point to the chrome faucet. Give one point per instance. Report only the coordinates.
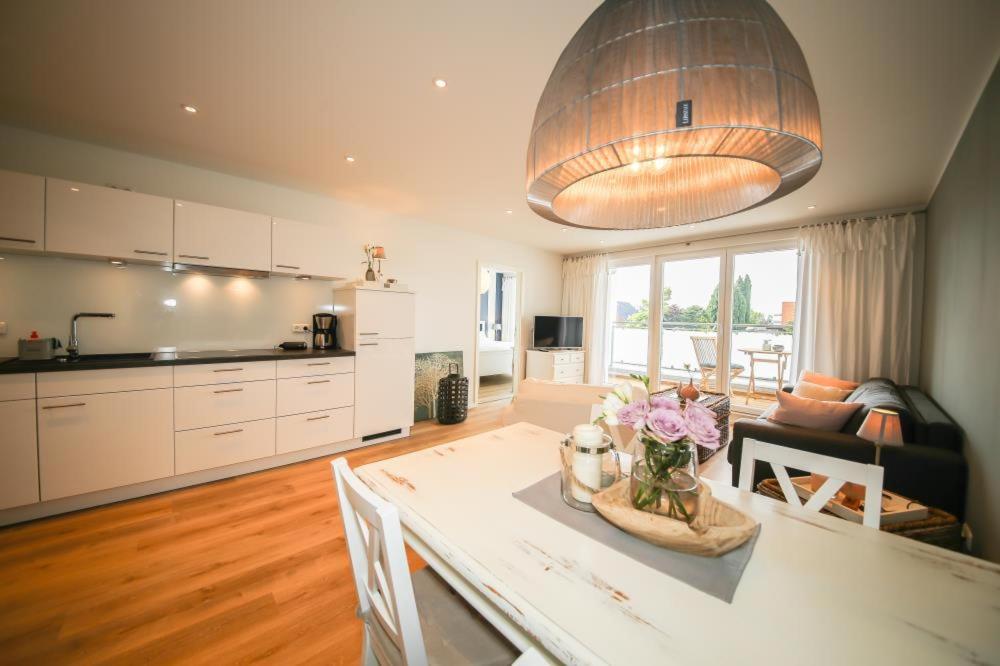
(73, 347)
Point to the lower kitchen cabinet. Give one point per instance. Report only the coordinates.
(18, 454)
(305, 431)
(206, 448)
(383, 393)
(310, 394)
(95, 442)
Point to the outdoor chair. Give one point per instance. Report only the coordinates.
(708, 361)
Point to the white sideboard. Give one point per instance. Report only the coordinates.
(558, 365)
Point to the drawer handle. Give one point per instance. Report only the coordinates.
(227, 432)
(367, 333)
(228, 370)
(323, 363)
(72, 404)
(318, 418)
(16, 240)
(236, 390)
(368, 344)
(286, 266)
(320, 381)
(192, 256)
(158, 254)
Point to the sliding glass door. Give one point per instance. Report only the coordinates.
(689, 346)
(722, 318)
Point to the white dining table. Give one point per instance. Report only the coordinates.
(817, 589)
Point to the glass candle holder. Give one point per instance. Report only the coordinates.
(589, 465)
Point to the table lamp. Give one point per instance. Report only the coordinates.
(882, 428)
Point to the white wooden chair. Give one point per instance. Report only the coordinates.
(837, 471)
(445, 630)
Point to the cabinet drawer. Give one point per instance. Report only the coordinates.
(222, 373)
(96, 442)
(567, 371)
(17, 387)
(562, 358)
(206, 448)
(310, 394)
(203, 406)
(85, 382)
(576, 357)
(309, 367)
(305, 431)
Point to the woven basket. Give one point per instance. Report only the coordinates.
(453, 397)
(939, 528)
(718, 403)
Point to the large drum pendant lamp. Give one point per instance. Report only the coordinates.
(668, 112)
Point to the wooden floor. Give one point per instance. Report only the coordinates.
(495, 387)
(251, 569)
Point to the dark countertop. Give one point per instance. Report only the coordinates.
(143, 360)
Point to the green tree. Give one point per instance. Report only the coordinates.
(640, 318)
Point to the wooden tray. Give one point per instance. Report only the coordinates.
(718, 528)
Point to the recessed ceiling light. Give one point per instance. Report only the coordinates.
(190, 108)
(118, 263)
(349, 158)
(440, 83)
(170, 302)
(303, 277)
(602, 242)
(564, 230)
(509, 211)
(74, 189)
(811, 206)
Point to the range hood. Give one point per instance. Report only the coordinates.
(216, 270)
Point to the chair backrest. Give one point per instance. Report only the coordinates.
(837, 471)
(705, 350)
(381, 573)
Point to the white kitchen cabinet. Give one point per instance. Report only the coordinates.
(22, 212)
(223, 373)
(18, 454)
(310, 367)
(221, 237)
(310, 394)
(94, 442)
(218, 404)
(207, 448)
(301, 248)
(19, 386)
(306, 431)
(383, 398)
(104, 222)
(385, 314)
(85, 382)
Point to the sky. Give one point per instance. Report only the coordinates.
(692, 281)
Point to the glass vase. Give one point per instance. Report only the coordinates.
(665, 478)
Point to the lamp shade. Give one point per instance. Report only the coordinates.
(882, 427)
(668, 112)
(378, 252)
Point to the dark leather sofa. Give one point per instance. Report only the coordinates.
(929, 467)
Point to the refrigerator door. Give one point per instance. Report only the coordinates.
(383, 399)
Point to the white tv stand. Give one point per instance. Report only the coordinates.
(556, 365)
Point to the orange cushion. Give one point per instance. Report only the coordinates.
(815, 414)
(827, 380)
(805, 389)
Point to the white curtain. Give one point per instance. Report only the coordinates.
(585, 294)
(856, 299)
(508, 307)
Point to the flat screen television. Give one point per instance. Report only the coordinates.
(558, 332)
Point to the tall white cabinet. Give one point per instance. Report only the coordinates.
(18, 441)
(378, 325)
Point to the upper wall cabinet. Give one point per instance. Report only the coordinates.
(212, 236)
(299, 248)
(22, 212)
(89, 220)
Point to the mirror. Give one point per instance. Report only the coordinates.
(496, 335)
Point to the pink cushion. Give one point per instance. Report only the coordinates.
(805, 389)
(827, 380)
(815, 414)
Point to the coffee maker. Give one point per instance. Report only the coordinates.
(324, 330)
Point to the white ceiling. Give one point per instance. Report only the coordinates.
(286, 89)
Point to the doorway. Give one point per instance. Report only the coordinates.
(497, 330)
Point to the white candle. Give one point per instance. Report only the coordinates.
(586, 466)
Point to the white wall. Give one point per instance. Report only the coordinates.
(438, 262)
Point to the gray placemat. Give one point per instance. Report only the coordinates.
(717, 576)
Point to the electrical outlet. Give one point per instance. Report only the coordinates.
(300, 328)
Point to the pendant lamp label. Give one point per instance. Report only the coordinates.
(684, 113)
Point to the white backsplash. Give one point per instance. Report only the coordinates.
(42, 294)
